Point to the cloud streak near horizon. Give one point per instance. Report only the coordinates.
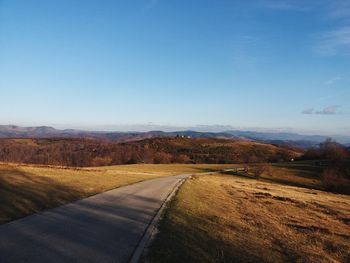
(330, 110)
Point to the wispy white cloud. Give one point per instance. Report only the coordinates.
(335, 42)
(151, 4)
(280, 5)
(284, 5)
(243, 51)
(339, 9)
(308, 111)
(333, 80)
(330, 110)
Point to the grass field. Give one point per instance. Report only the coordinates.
(230, 218)
(27, 189)
(303, 174)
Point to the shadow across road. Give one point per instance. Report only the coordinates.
(102, 228)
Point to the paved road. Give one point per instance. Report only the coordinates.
(103, 228)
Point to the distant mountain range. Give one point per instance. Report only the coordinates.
(287, 137)
(281, 138)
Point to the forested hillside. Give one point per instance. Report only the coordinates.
(91, 152)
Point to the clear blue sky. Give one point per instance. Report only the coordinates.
(268, 64)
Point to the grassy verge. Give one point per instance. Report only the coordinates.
(27, 189)
(226, 218)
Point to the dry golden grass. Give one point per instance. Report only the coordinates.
(27, 189)
(303, 174)
(226, 218)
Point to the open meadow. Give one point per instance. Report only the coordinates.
(27, 189)
(283, 215)
(231, 217)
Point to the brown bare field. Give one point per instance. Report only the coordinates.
(230, 218)
(27, 189)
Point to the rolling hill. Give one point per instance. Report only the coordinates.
(284, 139)
(94, 152)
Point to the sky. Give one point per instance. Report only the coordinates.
(258, 64)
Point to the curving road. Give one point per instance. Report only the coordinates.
(103, 228)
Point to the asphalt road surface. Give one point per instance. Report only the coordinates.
(103, 228)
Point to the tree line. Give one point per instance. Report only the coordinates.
(91, 152)
(336, 159)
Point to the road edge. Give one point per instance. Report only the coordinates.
(152, 225)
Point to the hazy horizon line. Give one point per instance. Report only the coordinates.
(173, 128)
